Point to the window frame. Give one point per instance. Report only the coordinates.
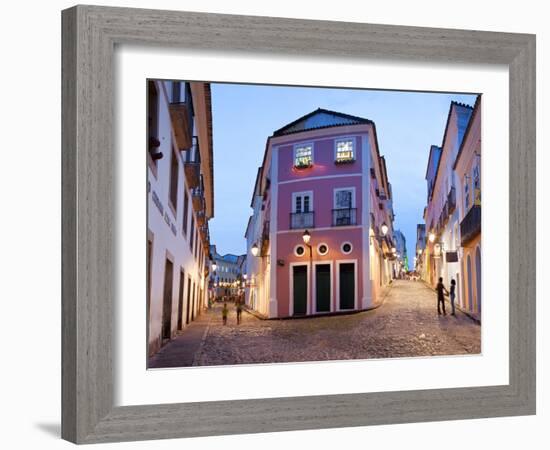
(354, 149)
(302, 145)
(302, 194)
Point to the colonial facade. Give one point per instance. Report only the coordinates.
(320, 236)
(179, 205)
(468, 171)
(447, 208)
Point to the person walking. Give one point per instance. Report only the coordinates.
(440, 288)
(239, 308)
(225, 311)
(452, 295)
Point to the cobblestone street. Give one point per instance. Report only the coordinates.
(407, 324)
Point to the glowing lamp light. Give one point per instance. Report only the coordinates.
(214, 267)
(255, 250)
(419, 251)
(394, 250)
(306, 237)
(245, 276)
(431, 237)
(384, 229)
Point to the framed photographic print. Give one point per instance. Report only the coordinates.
(268, 222)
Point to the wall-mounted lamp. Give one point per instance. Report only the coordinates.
(254, 250)
(306, 237)
(431, 237)
(384, 229)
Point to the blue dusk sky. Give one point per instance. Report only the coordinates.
(244, 116)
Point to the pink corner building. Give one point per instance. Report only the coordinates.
(320, 238)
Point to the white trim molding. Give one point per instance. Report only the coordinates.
(291, 287)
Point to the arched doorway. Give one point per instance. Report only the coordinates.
(469, 283)
(478, 279)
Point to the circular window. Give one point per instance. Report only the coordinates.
(322, 249)
(299, 250)
(347, 247)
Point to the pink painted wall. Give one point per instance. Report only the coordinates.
(323, 199)
(286, 242)
(323, 154)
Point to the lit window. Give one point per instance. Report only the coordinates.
(303, 156)
(345, 151)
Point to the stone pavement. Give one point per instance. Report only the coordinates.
(406, 325)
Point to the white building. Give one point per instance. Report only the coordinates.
(179, 205)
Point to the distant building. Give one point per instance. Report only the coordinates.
(228, 277)
(402, 258)
(179, 204)
(420, 246)
(320, 238)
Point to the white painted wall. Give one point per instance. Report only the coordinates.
(164, 239)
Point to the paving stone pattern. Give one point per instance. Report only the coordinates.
(406, 325)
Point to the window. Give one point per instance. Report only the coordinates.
(176, 91)
(303, 156)
(153, 121)
(346, 248)
(344, 212)
(174, 180)
(302, 202)
(192, 234)
(466, 194)
(477, 186)
(302, 210)
(299, 250)
(345, 151)
(322, 249)
(185, 211)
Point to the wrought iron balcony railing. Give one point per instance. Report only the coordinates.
(302, 220)
(344, 216)
(470, 226)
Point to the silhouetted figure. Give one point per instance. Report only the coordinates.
(225, 311)
(440, 288)
(452, 295)
(239, 308)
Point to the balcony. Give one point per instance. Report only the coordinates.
(470, 226)
(192, 165)
(197, 196)
(182, 123)
(302, 220)
(451, 201)
(344, 216)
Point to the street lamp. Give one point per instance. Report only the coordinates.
(255, 250)
(214, 266)
(384, 229)
(306, 237)
(431, 237)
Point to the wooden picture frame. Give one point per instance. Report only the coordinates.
(90, 34)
